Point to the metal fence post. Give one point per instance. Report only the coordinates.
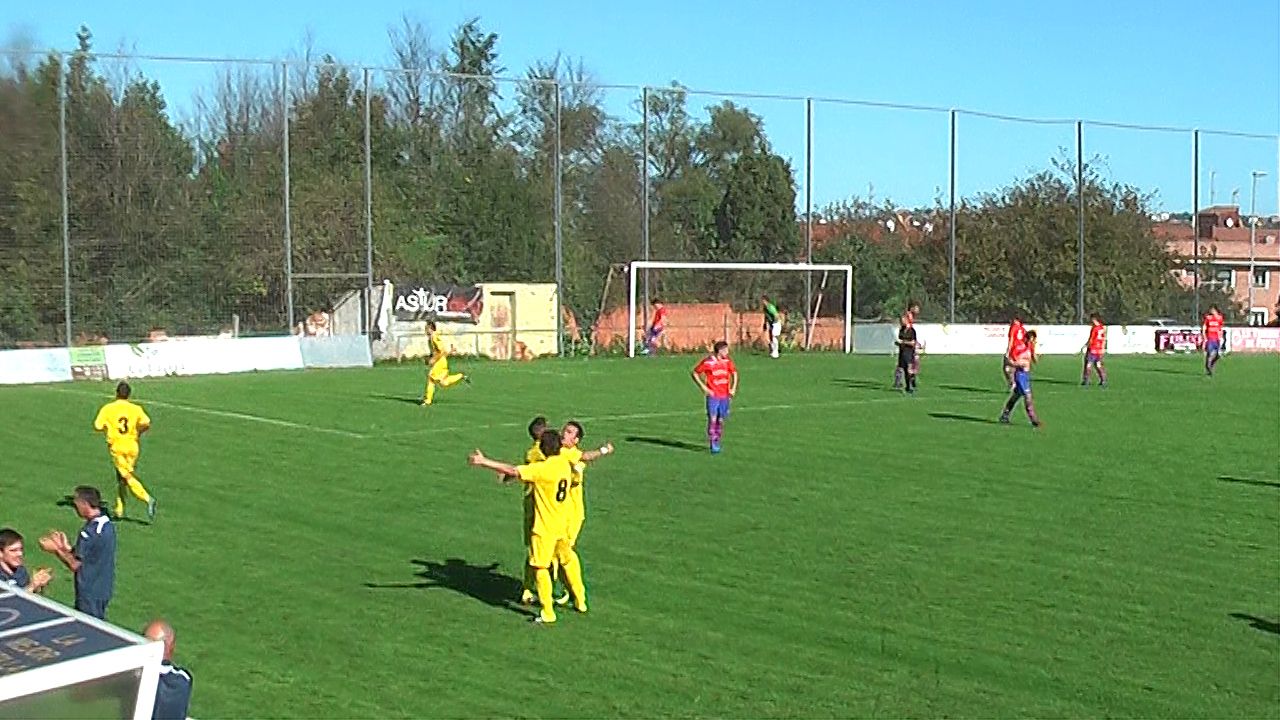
(559, 189)
(644, 194)
(288, 220)
(951, 249)
(1080, 222)
(367, 319)
(66, 211)
(810, 315)
(1195, 222)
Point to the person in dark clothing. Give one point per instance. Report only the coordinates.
(173, 692)
(907, 354)
(93, 559)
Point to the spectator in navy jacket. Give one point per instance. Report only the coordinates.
(173, 693)
(93, 558)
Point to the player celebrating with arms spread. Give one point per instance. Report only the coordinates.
(1023, 356)
(438, 367)
(1212, 331)
(570, 438)
(124, 422)
(717, 376)
(549, 542)
(533, 455)
(1093, 351)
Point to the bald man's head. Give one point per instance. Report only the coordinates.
(162, 631)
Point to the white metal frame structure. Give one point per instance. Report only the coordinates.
(134, 653)
(640, 265)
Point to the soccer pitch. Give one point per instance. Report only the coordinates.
(323, 549)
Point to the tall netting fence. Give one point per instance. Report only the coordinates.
(32, 281)
(146, 197)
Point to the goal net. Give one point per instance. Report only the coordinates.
(705, 302)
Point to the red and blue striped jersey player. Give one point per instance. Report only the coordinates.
(1093, 351)
(656, 327)
(717, 376)
(1211, 328)
(1022, 356)
(1017, 338)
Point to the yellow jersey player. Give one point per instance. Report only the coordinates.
(438, 367)
(124, 422)
(528, 594)
(550, 480)
(570, 437)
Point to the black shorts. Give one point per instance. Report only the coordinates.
(905, 361)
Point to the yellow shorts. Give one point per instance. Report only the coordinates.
(542, 550)
(124, 462)
(439, 370)
(575, 529)
(528, 520)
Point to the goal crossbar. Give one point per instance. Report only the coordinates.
(638, 265)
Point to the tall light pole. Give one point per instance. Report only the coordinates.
(1253, 233)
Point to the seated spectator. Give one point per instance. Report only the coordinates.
(12, 569)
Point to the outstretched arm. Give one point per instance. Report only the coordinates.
(477, 459)
(592, 455)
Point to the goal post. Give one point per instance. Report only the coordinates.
(639, 266)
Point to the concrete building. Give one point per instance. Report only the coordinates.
(1225, 257)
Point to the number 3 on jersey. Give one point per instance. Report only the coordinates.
(124, 426)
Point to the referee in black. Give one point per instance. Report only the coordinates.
(907, 354)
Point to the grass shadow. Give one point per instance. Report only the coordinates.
(664, 442)
(1168, 371)
(963, 418)
(479, 582)
(415, 400)
(971, 389)
(1055, 381)
(68, 501)
(1258, 623)
(1248, 481)
(861, 384)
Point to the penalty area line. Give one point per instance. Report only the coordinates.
(233, 415)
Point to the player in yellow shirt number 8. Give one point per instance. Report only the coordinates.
(550, 480)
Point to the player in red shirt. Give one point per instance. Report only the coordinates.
(717, 376)
(1017, 343)
(1211, 328)
(1023, 358)
(1093, 351)
(656, 327)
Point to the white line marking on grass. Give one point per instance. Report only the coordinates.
(233, 415)
(675, 413)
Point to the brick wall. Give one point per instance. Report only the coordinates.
(696, 326)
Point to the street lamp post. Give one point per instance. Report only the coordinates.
(1253, 234)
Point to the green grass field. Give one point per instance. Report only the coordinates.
(324, 550)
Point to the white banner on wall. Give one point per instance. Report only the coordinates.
(1254, 339)
(203, 356)
(21, 367)
(1131, 340)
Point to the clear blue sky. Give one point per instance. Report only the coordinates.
(1177, 63)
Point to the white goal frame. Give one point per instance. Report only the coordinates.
(640, 265)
